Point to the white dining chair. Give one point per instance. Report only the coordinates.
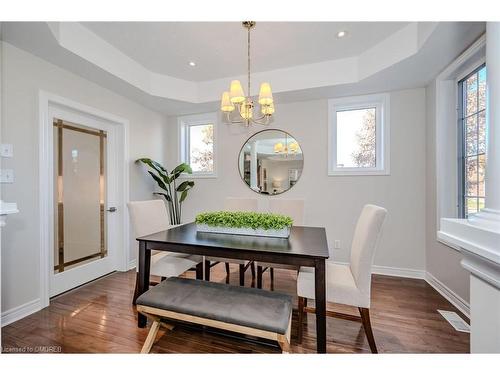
(148, 217)
(234, 204)
(290, 207)
(348, 284)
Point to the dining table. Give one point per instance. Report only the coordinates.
(305, 247)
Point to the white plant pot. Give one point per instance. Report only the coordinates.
(282, 233)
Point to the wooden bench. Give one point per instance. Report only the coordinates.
(249, 311)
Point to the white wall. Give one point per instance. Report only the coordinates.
(442, 262)
(335, 202)
(23, 76)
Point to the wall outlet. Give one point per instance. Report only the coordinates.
(6, 176)
(336, 244)
(6, 150)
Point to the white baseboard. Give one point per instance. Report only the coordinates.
(19, 312)
(449, 294)
(409, 273)
(132, 264)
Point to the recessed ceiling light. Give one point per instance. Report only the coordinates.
(341, 34)
(192, 63)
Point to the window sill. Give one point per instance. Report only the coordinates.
(352, 172)
(194, 175)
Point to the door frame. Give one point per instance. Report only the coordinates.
(46, 185)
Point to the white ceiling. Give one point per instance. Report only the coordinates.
(410, 57)
(219, 48)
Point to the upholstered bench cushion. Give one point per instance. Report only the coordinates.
(249, 307)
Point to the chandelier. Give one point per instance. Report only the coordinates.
(287, 148)
(239, 109)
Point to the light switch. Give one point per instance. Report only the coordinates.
(6, 150)
(6, 176)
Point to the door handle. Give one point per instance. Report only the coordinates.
(111, 209)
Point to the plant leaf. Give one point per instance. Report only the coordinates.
(162, 172)
(183, 196)
(158, 180)
(185, 185)
(166, 196)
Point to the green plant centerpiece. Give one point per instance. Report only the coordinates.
(244, 223)
(173, 193)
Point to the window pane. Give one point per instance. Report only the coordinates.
(471, 176)
(481, 146)
(481, 174)
(356, 138)
(201, 148)
(471, 92)
(482, 88)
(471, 135)
(480, 203)
(471, 206)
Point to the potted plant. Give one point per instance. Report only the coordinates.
(174, 194)
(244, 223)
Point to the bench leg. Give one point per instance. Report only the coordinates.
(284, 340)
(151, 337)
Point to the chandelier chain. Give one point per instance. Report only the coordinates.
(248, 54)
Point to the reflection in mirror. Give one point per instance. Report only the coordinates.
(271, 162)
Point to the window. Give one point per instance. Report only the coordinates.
(197, 143)
(472, 141)
(358, 140)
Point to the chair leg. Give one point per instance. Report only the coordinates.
(136, 290)
(252, 269)
(271, 272)
(151, 337)
(207, 270)
(199, 271)
(227, 269)
(301, 318)
(365, 318)
(242, 275)
(259, 277)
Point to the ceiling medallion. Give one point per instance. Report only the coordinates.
(239, 109)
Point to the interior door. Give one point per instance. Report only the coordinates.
(83, 165)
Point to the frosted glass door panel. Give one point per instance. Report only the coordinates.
(79, 155)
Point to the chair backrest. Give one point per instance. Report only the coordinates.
(240, 204)
(364, 244)
(290, 207)
(148, 217)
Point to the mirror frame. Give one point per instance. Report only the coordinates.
(246, 141)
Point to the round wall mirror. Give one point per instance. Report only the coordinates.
(271, 162)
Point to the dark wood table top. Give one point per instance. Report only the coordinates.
(309, 242)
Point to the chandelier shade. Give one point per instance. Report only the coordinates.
(236, 102)
(265, 95)
(236, 92)
(226, 104)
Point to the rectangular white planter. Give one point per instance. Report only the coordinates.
(282, 233)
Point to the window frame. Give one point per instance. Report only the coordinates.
(184, 123)
(381, 103)
(461, 132)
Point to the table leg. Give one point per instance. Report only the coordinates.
(144, 267)
(320, 287)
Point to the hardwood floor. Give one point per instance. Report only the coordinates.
(99, 318)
